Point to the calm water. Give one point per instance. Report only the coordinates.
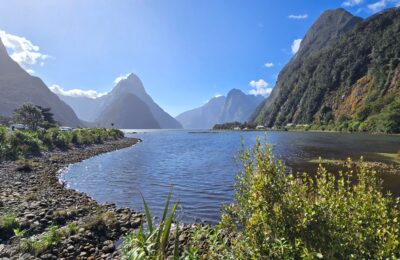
(201, 166)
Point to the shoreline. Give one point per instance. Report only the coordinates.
(31, 192)
(305, 131)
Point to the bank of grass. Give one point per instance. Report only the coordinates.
(19, 144)
(280, 215)
(7, 225)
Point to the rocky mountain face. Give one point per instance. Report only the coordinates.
(203, 117)
(133, 85)
(18, 87)
(346, 73)
(236, 106)
(122, 112)
(115, 107)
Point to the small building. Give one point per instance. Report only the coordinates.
(18, 127)
(65, 128)
(237, 128)
(260, 127)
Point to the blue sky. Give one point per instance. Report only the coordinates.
(184, 51)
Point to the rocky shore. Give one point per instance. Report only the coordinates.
(41, 219)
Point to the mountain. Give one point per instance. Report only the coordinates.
(203, 117)
(133, 85)
(18, 87)
(236, 106)
(114, 107)
(346, 74)
(86, 108)
(127, 112)
(239, 106)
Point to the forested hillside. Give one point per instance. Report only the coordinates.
(351, 84)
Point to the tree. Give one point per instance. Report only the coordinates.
(48, 117)
(29, 114)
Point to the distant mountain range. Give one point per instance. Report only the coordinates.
(18, 87)
(236, 106)
(126, 106)
(347, 72)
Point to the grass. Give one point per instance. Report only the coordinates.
(40, 244)
(100, 222)
(22, 144)
(8, 223)
(152, 243)
(63, 214)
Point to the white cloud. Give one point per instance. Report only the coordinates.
(23, 51)
(382, 4)
(269, 65)
(350, 3)
(296, 46)
(30, 71)
(298, 16)
(217, 95)
(75, 92)
(377, 6)
(260, 87)
(121, 77)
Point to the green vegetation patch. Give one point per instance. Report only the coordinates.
(153, 242)
(18, 144)
(39, 244)
(394, 157)
(8, 222)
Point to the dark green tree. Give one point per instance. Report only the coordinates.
(28, 114)
(48, 118)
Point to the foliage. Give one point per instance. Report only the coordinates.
(282, 215)
(18, 144)
(315, 86)
(152, 243)
(39, 244)
(232, 125)
(22, 143)
(48, 118)
(7, 224)
(30, 115)
(100, 222)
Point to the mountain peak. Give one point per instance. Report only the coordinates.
(336, 11)
(133, 77)
(131, 84)
(327, 29)
(235, 91)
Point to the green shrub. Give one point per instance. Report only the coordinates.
(152, 243)
(281, 215)
(18, 144)
(23, 143)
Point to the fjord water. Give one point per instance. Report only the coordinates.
(201, 166)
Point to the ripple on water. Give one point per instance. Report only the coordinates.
(201, 167)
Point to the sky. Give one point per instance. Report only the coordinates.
(184, 51)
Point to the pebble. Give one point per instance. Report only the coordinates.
(46, 196)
